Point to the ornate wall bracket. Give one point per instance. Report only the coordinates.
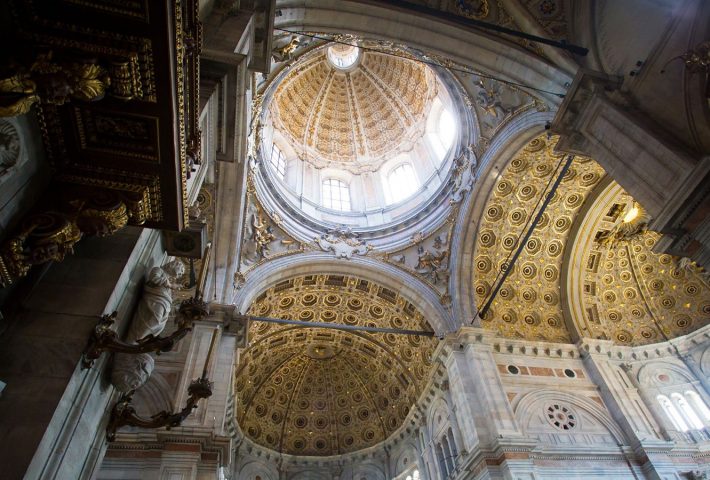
(105, 339)
(123, 413)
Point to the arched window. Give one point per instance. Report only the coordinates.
(336, 195)
(452, 443)
(690, 416)
(675, 418)
(443, 134)
(441, 460)
(402, 182)
(699, 405)
(278, 161)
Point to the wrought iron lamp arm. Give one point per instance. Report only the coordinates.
(123, 413)
(105, 339)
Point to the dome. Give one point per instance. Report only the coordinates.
(353, 109)
(358, 137)
(311, 391)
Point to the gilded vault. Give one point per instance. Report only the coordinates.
(315, 391)
(588, 269)
(624, 291)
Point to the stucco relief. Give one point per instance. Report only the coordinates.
(427, 256)
(263, 237)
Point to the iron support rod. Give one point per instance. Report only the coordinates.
(336, 326)
(472, 22)
(521, 245)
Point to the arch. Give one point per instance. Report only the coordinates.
(705, 361)
(439, 114)
(512, 138)
(368, 471)
(251, 469)
(699, 405)
(277, 161)
(672, 414)
(411, 288)
(648, 375)
(525, 405)
(155, 395)
(407, 457)
(462, 44)
(310, 475)
(335, 194)
(438, 418)
(570, 287)
(402, 182)
(691, 418)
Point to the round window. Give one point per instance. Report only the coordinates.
(512, 369)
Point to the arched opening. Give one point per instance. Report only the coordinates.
(699, 405)
(402, 183)
(672, 414)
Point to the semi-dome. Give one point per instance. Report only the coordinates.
(314, 391)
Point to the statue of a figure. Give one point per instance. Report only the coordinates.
(262, 235)
(154, 306)
(285, 52)
(131, 371)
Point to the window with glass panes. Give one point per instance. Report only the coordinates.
(336, 195)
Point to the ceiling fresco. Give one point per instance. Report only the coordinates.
(315, 391)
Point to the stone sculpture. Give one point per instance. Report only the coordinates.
(155, 305)
(131, 371)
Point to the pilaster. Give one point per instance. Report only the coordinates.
(622, 397)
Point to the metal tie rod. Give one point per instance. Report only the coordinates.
(528, 234)
(336, 326)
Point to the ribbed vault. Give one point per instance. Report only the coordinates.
(315, 391)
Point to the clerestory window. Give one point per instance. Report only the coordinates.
(336, 195)
(278, 162)
(402, 182)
